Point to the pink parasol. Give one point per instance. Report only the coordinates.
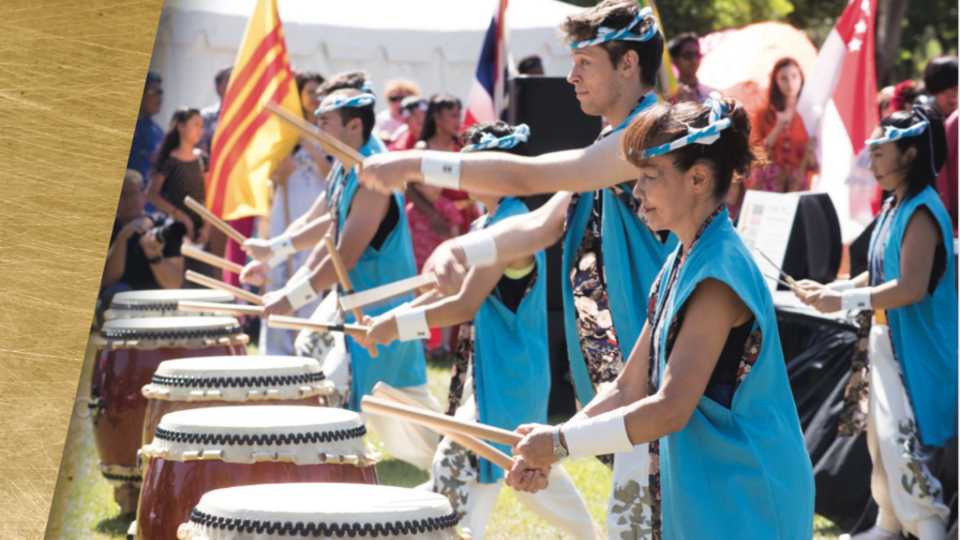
(739, 62)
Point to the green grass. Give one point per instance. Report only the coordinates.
(92, 514)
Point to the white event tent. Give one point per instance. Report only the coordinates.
(433, 42)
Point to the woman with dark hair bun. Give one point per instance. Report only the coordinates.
(705, 384)
(903, 385)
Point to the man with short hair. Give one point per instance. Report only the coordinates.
(684, 52)
(147, 135)
(138, 258)
(531, 66)
(211, 114)
(611, 257)
(373, 240)
(940, 80)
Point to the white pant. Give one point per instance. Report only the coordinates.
(908, 495)
(456, 476)
(404, 440)
(629, 511)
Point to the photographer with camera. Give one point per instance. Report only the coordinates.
(144, 250)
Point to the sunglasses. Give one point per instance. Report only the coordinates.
(395, 99)
(690, 55)
(154, 92)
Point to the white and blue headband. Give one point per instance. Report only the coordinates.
(891, 133)
(605, 34)
(719, 121)
(366, 87)
(340, 101)
(487, 141)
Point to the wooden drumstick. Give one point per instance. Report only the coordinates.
(215, 284)
(214, 220)
(481, 448)
(331, 145)
(216, 307)
(213, 260)
(344, 278)
(384, 292)
(294, 323)
(375, 405)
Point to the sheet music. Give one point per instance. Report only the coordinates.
(766, 221)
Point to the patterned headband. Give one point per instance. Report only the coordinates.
(520, 134)
(340, 101)
(605, 34)
(719, 121)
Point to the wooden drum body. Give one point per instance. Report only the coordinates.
(197, 451)
(162, 303)
(279, 512)
(229, 381)
(130, 352)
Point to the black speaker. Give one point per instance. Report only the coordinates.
(859, 251)
(816, 246)
(550, 107)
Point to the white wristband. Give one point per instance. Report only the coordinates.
(479, 248)
(412, 324)
(282, 246)
(276, 261)
(441, 169)
(302, 273)
(603, 434)
(842, 285)
(856, 299)
(300, 294)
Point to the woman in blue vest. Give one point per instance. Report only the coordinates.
(501, 374)
(904, 390)
(705, 384)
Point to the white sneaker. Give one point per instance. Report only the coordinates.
(874, 533)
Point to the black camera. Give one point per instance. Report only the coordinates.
(169, 231)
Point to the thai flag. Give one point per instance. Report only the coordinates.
(839, 105)
(486, 99)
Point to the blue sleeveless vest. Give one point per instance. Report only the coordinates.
(744, 471)
(511, 353)
(632, 255)
(925, 334)
(401, 363)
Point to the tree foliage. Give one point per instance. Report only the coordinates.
(929, 27)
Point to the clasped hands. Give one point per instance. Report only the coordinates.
(533, 458)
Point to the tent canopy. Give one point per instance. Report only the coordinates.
(433, 42)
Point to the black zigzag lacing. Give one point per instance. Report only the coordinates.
(125, 478)
(234, 382)
(324, 529)
(248, 439)
(148, 306)
(201, 333)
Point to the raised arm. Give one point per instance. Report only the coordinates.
(497, 173)
(515, 238)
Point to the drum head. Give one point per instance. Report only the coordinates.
(166, 298)
(332, 510)
(238, 378)
(172, 330)
(298, 434)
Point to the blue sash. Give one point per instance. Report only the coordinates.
(925, 333)
(744, 470)
(400, 364)
(511, 354)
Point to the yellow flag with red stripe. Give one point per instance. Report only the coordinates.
(249, 141)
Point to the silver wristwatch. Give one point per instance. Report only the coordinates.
(558, 449)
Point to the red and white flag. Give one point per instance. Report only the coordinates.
(839, 105)
(485, 102)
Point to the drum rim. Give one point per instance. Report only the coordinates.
(322, 528)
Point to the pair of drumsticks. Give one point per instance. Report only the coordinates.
(387, 401)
